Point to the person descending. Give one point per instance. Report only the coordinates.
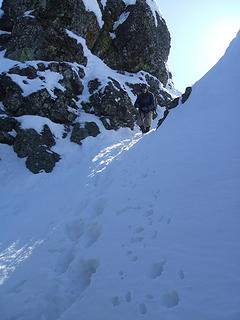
(145, 106)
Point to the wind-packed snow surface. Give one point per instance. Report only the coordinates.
(130, 226)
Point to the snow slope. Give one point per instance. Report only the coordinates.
(131, 227)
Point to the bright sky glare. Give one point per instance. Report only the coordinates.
(200, 31)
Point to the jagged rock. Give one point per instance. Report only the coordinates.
(42, 36)
(137, 44)
(174, 103)
(6, 138)
(71, 80)
(41, 102)
(106, 123)
(13, 9)
(160, 121)
(29, 72)
(47, 137)
(186, 94)
(42, 159)
(28, 143)
(114, 104)
(8, 124)
(10, 95)
(79, 133)
(93, 85)
(72, 15)
(4, 40)
(92, 129)
(31, 40)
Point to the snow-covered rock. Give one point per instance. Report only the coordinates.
(57, 61)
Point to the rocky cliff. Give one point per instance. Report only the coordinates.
(63, 60)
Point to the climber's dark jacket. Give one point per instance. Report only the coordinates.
(145, 102)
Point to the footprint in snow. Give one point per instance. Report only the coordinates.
(116, 301)
(142, 308)
(157, 269)
(128, 297)
(99, 207)
(91, 234)
(75, 229)
(170, 299)
(181, 274)
(139, 230)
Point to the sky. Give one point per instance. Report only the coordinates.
(200, 31)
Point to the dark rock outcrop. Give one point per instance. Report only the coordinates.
(79, 133)
(41, 102)
(186, 94)
(54, 64)
(137, 43)
(174, 103)
(7, 126)
(36, 148)
(112, 103)
(41, 35)
(133, 45)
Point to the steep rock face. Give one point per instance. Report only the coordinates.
(36, 148)
(38, 29)
(56, 72)
(131, 41)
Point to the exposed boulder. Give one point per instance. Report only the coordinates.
(112, 103)
(7, 126)
(60, 108)
(131, 41)
(36, 147)
(42, 159)
(184, 97)
(6, 138)
(186, 94)
(79, 133)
